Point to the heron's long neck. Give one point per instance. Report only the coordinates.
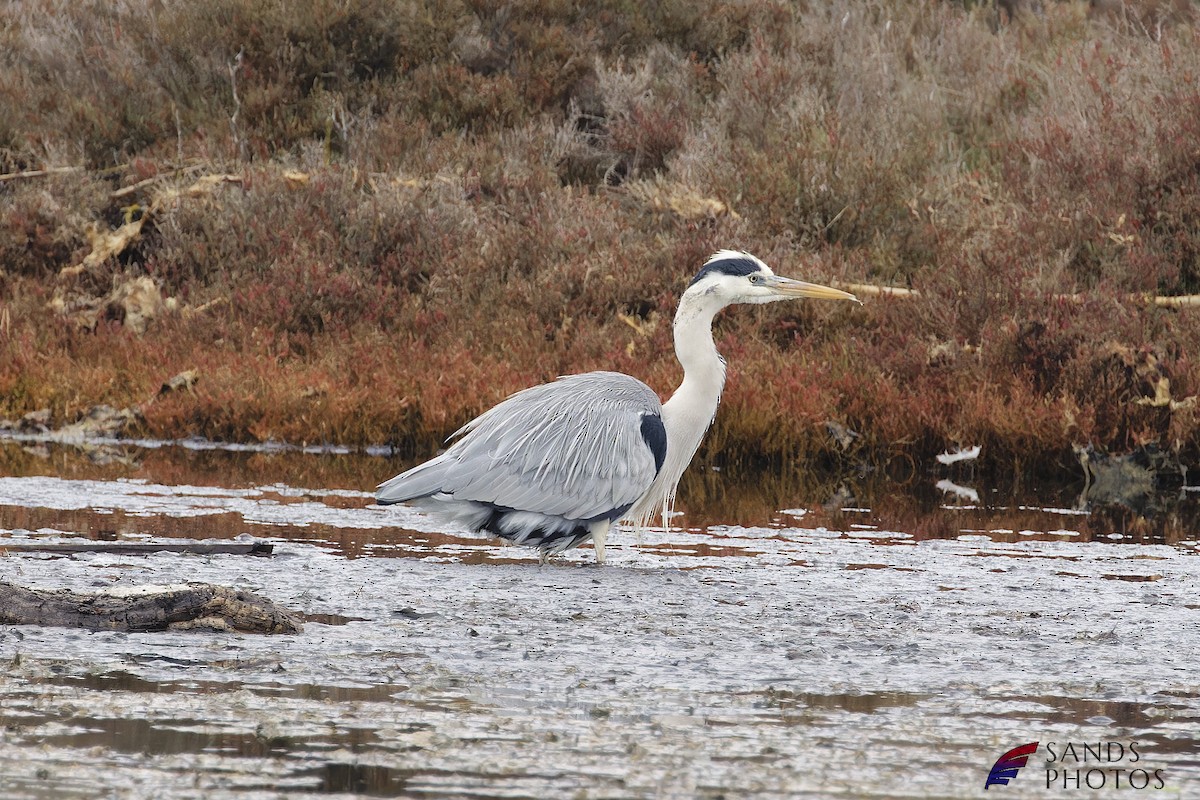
(703, 367)
(689, 412)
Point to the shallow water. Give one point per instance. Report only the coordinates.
(870, 641)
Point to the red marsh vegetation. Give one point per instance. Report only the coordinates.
(364, 221)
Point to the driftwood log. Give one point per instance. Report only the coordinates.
(206, 548)
(184, 606)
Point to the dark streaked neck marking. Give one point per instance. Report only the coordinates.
(732, 265)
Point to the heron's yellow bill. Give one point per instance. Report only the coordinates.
(794, 288)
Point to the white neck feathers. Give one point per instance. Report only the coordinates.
(690, 411)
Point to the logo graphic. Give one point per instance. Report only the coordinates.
(1008, 765)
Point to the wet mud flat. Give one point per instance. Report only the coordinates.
(767, 661)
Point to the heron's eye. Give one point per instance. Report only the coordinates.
(756, 278)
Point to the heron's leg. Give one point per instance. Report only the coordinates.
(599, 537)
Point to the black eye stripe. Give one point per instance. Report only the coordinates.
(731, 265)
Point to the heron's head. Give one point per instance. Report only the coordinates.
(730, 277)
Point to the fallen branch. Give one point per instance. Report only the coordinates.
(133, 188)
(191, 311)
(1179, 301)
(144, 548)
(1162, 301)
(871, 290)
(37, 173)
(189, 606)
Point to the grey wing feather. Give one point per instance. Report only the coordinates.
(572, 448)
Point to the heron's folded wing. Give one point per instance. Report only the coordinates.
(575, 448)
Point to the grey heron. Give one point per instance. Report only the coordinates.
(558, 464)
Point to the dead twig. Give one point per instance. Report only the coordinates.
(191, 311)
(234, 68)
(37, 173)
(125, 191)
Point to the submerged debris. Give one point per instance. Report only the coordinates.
(100, 420)
(960, 492)
(206, 547)
(32, 423)
(1129, 480)
(187, 606)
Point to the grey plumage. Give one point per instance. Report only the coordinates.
(545, 463)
